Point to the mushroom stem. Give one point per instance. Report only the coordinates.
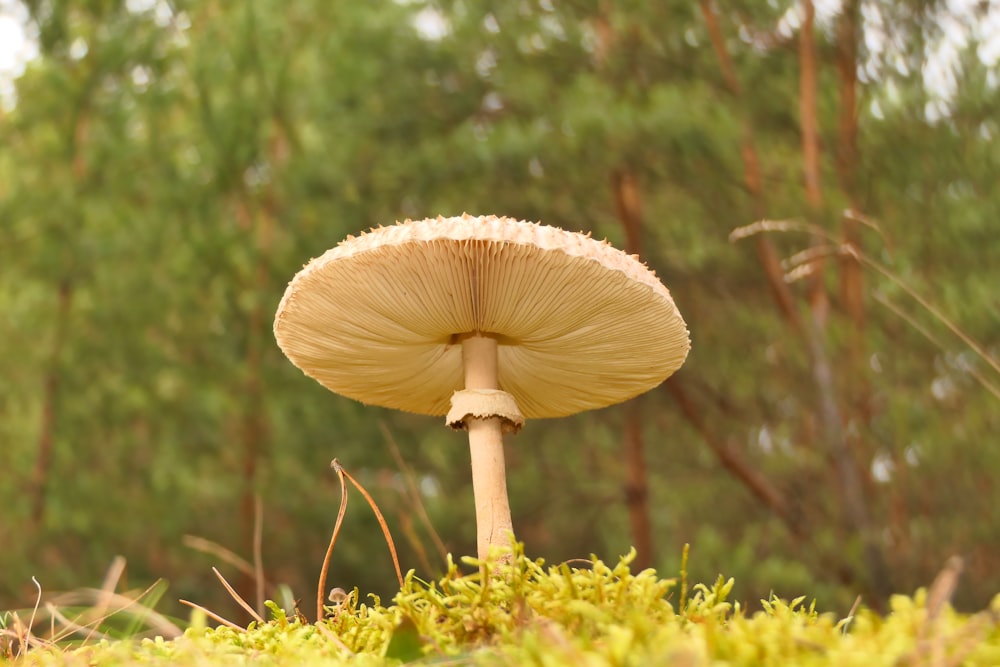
(489, 478)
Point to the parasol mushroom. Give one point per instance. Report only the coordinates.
(481, 319)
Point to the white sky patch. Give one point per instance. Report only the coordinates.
(882, 467)
(431, 24)
(825, 12)
(17, 48)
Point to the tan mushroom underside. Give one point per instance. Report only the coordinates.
(580, 325)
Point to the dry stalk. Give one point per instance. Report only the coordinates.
(765, 226)
(213, 615)
(215, 549)
(414, 493)
(342, 475)
(381, 523)
(239, 599)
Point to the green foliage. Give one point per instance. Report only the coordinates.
(529, 613)
(167, 167)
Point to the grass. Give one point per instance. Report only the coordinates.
(579, 613)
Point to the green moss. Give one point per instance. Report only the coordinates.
(531, 614)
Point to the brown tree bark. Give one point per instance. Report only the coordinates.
(819, 302)
(758, 485)
(851, 276)
(854, 497)
(637, 486)
(767, 255)
(627, 205)
(811, 328)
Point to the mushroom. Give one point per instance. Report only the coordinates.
(481, 319)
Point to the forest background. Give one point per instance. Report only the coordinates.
(167, 166)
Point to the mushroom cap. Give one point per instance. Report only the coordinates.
(580, 325)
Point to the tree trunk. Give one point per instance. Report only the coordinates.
(809, 125)
(851, 285)
(50, 394)
(637, 486)
(626, 196)
(851, 275)
(853, 495)
(767, 255)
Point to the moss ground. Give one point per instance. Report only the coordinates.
(585, 613)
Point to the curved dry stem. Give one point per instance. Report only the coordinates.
(321, 586)
(381, 523)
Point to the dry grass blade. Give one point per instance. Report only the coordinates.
(414, 492)
(933, 310)
(22, 635)
(212, 615)
(108, 586)
(851, 613)
(321, 586)
(72, 627)
(34, 611)
(764, 226)
(851, 214)
(979, 377)
(810, 255)
(934, 647)
(114, 574)
(236, 596)
(329, 634)
(226, 555)
(114, 603)
(943, 588)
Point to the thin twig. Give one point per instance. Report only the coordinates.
(236, 596)
(321, 586)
